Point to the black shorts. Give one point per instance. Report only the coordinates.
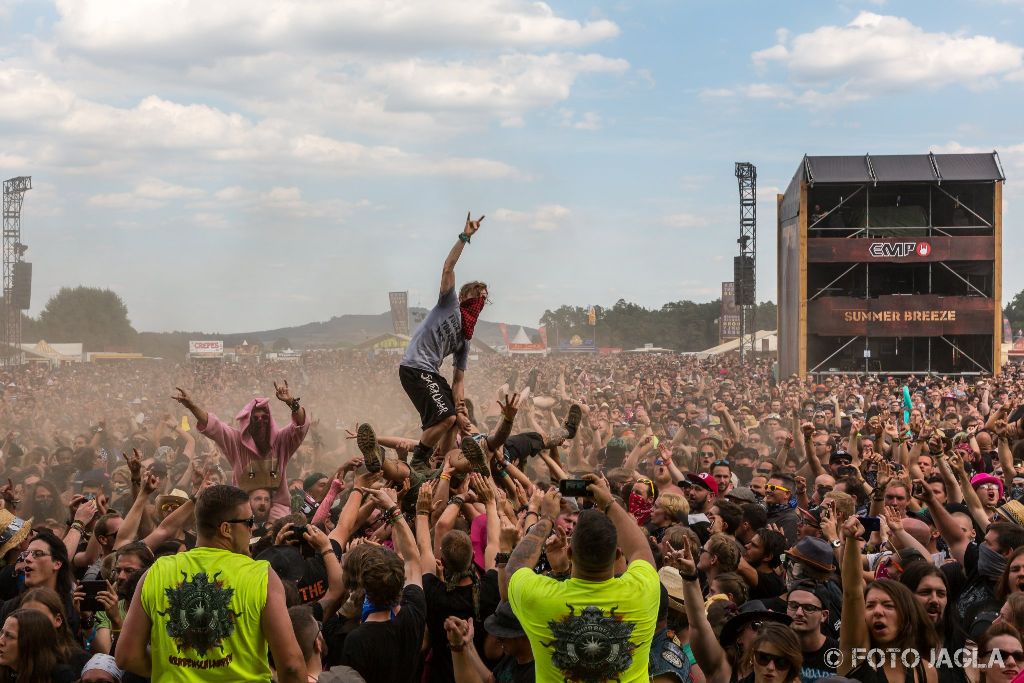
(429, 392)
(519, 447)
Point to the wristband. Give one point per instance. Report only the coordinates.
(456, 500)
(464, 238)
(293, 404)
(446, 477)
(324, 553)
(608, 506)
(77, 525)
(502, 558)
(506, 419)
(456, 648)
(688, 577)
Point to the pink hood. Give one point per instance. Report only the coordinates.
(245, 416)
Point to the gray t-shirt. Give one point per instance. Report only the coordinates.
(438, 337)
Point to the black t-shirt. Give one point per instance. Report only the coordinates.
(769, 585)
(509, 670)
(441, 604)
(814, 663)
(978, 593)
(389, 651)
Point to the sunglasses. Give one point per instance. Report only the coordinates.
(774, 487)
(720, 462)
(249, 522)
(1016, 655)
(764, 659)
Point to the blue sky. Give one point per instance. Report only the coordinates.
(249, 164)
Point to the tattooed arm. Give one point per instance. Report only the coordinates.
(528, 550)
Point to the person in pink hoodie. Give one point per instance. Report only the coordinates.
(257, 449)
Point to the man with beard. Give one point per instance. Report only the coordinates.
(447, 331)
(258, 450)
(700, 490)
(805, 605)
(260, 501)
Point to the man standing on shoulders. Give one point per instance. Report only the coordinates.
(210, 613)
(447, 331)
(258, 450)
(595, 625)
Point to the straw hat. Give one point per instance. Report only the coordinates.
(177, 497)
(13, 530)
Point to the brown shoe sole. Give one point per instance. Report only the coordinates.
(366, 440)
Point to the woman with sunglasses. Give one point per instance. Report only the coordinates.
(884, 615)
(1000, 655)
(773, 656)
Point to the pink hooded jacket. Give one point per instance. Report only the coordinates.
(239, 448)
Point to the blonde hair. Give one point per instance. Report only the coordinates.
(725, 550)
(675, 505)
(845, 504)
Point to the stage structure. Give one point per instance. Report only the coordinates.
(745, 265)
(17, 273)
(891, 264)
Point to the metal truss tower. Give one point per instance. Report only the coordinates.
(746, 280)
(14, 194)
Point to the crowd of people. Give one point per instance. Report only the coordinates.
(565, 518)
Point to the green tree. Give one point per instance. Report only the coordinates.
(1014, 312)
(96, 317)
(282, 343)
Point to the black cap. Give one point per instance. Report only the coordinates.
(503, 623)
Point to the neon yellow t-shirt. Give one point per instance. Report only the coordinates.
(206, 607)
(585, 630)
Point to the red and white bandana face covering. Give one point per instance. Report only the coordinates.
(640, 508)
(470, 309)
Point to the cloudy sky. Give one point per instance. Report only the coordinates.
(234, 165)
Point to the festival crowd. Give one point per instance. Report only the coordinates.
(647, 517)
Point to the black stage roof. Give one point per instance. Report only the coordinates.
(902, 168)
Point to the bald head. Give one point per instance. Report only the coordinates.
(921, 532)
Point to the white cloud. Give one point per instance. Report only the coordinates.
(590, 120)
(546, 217)
(891, 52)
(200, 31)
(876, 54)
(513, 83)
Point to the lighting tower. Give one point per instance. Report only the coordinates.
(14, 193)
(745, 266)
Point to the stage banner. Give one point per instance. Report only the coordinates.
(924, 315)
(206, 349)
(400, 311)
(729, 315)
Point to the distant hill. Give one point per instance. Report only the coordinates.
(339, 331)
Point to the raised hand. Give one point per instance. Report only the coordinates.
(182, 397)
(893, 518)
(852, 529)
(424, 500)
(510, 407)
(134, 463)
(282, 392)
(472, 225)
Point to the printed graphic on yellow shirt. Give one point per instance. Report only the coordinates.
(591, 647)
(199, 614)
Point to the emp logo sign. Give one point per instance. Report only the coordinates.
(899, 249)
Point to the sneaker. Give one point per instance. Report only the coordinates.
(572, 420)
(366, 440)
(475, 455)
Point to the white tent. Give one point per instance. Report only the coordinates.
(521, 337)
